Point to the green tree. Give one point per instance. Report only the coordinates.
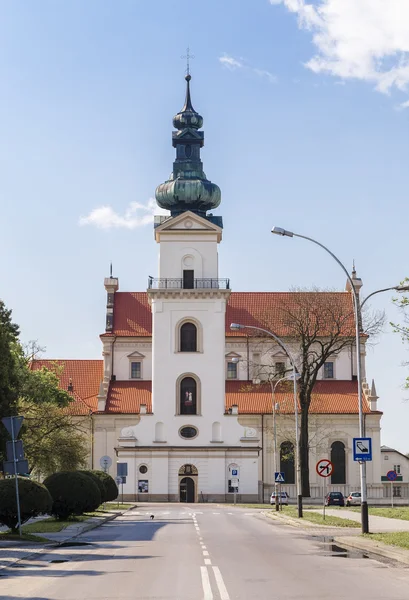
(403, 329)
(10, 355)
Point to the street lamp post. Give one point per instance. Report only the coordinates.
(358, 321)
(237, 327)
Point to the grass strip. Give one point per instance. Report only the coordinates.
(397, 538)
(26, 537)
(318, 518)
(400, 512)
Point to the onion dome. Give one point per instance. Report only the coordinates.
(187, 187)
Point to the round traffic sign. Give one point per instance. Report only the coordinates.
(392, 475)
(105, 462)
(324, 467)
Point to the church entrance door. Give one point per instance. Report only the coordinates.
(187, 490)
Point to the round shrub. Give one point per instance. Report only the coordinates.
(110, 487)
(73, 493)
(98, 482)
(35, 500)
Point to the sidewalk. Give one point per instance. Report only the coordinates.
(13, 551)
(376, 524)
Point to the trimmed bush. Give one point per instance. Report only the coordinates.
(111, 489)
(73, 493)
(35, 500)
(98, 482)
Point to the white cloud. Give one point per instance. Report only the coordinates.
(233, 64)
(403, 105)
(136, 215)
(230, 62)
(361, 39)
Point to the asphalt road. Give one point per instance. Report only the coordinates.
(202, 552)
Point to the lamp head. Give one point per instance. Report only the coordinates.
(402, 288)
(236, 326)
(281, 231)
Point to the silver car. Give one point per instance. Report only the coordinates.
(354, 499)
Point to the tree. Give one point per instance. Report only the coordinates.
(35, 500)
(111, 489)
(403, 329)
(10, 352)
(319, 325)
(73, 493)
(53, 439)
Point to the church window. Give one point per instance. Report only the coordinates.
(188, 432)
(231, 370)
(143, 469)
(329, 370)
(287, 462)
(338, 460)
(188, 389)
(136, 370)
(188, 338)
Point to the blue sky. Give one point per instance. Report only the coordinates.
(306, 126)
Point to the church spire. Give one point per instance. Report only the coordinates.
(187, 187)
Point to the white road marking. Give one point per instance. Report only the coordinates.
(213, 513)
(220, 584)
(200, 539)
(203, 547)
(229, 513)
(208, 595)
(207, 561)
(205, 553)
(248, 514)
(198, 513)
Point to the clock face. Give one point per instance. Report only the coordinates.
(188, 432)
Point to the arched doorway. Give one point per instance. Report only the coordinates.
(187, 483)
(187, 490)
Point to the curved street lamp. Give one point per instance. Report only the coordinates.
(358, 321)
(295, 376)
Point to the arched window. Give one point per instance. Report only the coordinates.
(188, 338)
(338, 460)
(188, 396)
(287, 462)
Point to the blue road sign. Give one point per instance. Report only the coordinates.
(234, 472)
(362, 449)
(392, 475)
(279, 477)
(122, 469)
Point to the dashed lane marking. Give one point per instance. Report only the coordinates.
(220, 584)
(207, 590)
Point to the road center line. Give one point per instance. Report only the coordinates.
(208, 595)
(207, 561)
(203, 547)
(220, 584)
(205, 553)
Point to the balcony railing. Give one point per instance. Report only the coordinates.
(194, 284)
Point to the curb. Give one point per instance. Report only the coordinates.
(303, 524)
(374, 547)
(52, 544)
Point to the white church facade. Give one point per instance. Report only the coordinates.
(179, 397)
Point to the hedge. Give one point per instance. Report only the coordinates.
(73, 493)
(35, 500)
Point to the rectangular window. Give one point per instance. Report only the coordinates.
(329, 370)
(279, 369)
(396, 468)
(231, 370)
(397, 491)
(135, 370)
(188, 279)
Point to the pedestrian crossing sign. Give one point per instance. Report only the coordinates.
(279, 478)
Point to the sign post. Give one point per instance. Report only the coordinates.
(392, 476)
(324, 468)
(279, 478)
(13, 426)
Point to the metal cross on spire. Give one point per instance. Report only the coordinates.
(188, 56)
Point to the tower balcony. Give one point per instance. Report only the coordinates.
(188, 284)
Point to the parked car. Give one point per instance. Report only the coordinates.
(354, 499)
(334, 499)
(282, 498)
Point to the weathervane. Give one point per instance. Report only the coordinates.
(188, 56)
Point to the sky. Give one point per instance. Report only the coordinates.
(306, 112)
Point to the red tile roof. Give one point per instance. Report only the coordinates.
(85, 375)
(329, 397)
(127, 396)
(133, 317)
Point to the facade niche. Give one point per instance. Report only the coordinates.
(188, 396)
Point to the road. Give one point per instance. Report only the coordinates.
(202, 552)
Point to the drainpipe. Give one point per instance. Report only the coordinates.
(262, 457)
(248, 358)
